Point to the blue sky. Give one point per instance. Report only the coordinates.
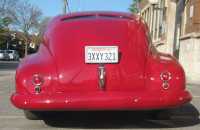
(54, 7)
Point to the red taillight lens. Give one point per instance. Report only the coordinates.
(166, 86)
(165, 76)
(37, 79)
(37, 89)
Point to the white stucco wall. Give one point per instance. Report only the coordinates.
(189, 57)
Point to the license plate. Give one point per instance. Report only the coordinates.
(101, 54)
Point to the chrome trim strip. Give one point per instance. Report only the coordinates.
(101, 73)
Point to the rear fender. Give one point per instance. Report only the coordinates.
(154, 68)
(39, 63)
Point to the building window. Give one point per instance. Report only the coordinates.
(156, 24)
(147, 17)
(161, 18)
(152, 22)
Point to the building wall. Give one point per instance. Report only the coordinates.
(197, 16)
(170, 20)
(190, 42)
(143, 3)
(189, 22)
(161, 23)
(190, 56)
(193, 24)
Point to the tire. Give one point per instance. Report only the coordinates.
(33, 115)
(162, 114)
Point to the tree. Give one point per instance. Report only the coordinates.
(40, 30)
(5, 5)
(4, 22)
(134, 7)
(25, 17)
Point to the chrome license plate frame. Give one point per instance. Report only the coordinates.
(101, 54)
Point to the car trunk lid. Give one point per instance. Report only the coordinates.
(67, 44)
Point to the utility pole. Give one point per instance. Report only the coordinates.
(64, 6)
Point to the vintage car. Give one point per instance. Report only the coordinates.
(99, 61)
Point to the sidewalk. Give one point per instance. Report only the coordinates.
(7, 74)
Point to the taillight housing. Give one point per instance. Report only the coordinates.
(165, 76)
(37, 79)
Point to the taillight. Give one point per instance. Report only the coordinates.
(37, 79)
(165, 76)
(166, 86)
(37, 89)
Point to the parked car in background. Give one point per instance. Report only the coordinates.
(99, 61)
(4, 55)
(13, 54)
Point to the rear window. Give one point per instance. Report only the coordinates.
(94, 16)
(80, 17)
(114, 17)
(9, 51)
(16, 52)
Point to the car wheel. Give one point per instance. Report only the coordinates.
(162, 114)
(33, 115)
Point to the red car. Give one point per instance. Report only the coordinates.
(99, 61)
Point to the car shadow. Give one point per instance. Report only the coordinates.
(183, 116)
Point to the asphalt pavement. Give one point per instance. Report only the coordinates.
(185, 117)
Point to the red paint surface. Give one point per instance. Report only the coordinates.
(61, 62)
